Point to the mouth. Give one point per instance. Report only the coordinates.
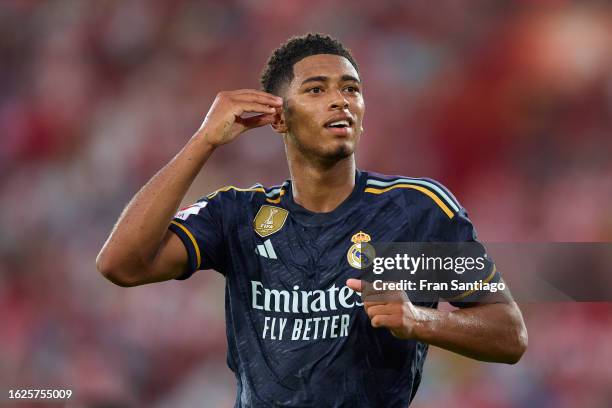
(339, 123)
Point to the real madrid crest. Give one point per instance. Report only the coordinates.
(361, 254)
(269, 219)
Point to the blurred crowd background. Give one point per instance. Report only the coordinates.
(508, 103)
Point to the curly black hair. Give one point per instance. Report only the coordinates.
(279, 68)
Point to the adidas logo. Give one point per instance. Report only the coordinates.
(266, 250)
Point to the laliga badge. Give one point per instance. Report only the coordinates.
(361, 254)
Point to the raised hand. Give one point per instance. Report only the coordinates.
(225, 121)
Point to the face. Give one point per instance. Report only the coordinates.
(323, 109)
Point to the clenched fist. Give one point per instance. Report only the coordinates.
(224, 121)
(390, 309)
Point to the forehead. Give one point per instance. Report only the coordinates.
(328, 65)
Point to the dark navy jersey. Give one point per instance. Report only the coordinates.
(297, 335)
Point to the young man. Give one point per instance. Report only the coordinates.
(299, 334)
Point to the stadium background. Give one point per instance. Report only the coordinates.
(508, 103)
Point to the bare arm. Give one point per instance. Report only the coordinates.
(140, 248)
(492, 332)
(487, 331)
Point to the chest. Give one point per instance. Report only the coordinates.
(287, 251)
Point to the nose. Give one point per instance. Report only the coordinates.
(339, 101)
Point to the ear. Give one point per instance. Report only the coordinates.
(279, 125)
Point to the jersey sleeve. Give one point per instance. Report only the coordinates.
(460, 242)
(200, 228)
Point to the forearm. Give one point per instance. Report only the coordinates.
(139, 249)
(488, 332)
(141, 227)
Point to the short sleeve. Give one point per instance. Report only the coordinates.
(200, 228)
(473, 267)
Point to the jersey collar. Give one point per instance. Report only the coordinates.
(307, 217)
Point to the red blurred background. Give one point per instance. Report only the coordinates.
(508, 103)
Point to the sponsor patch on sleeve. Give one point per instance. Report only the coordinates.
(191, 210)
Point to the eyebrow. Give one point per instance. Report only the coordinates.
(321, 78)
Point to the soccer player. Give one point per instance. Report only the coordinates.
(299, 332)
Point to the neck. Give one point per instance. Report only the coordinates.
(321, 187)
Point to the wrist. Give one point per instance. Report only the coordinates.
(202, 139)
(425, 320)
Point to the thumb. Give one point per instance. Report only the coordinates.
(367, 291)
(354, 284)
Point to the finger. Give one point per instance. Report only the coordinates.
(366, 288)
(369, 294)
(254, 107)
(277, 100)
(265, 99)
(388, 321)
(250, 90)
(368, 305)
(354, 284)
(256, 121)
(391, 296)
(386, 309)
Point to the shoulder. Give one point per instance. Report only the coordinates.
(421, 191)
(254, 194)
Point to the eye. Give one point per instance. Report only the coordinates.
(314, 89)
(351, 89)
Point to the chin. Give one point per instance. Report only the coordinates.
(339, 152)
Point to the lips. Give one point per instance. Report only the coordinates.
(339, 122)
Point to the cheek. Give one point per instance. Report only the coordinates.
(302, 118)
(360, 107)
